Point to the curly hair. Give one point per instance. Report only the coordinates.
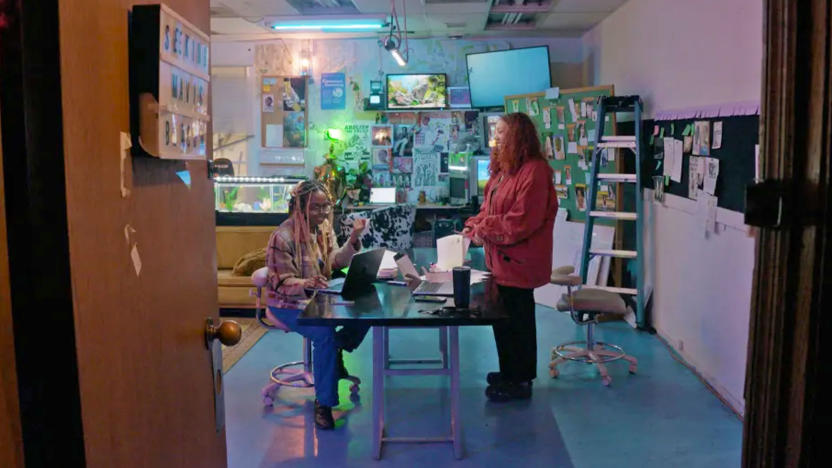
(519, 144)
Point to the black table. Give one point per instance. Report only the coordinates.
(392, 306)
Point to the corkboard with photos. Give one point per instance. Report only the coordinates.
(283, 112)
(566, 127)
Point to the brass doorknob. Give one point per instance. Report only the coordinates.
(228, 332)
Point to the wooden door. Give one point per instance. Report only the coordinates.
(11, 444)
(111, 361)
(788, 377)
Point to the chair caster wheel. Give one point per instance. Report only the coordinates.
(268, 394)
(606, 380)
(554, 373)
(632, 369)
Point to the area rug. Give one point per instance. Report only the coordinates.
(252, 332)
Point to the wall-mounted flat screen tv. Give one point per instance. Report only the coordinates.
(417, 91)
(494, 75)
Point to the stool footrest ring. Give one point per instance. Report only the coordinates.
(606, 352)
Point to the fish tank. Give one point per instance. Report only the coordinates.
(253, 194)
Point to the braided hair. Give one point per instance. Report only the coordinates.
(303, 235)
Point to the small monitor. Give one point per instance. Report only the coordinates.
(383, 195)
(375, 99)
(458, 190)
(482, 175)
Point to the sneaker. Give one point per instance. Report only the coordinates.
(343, 373)
(493, 378)
(323, 417)
(505, 391)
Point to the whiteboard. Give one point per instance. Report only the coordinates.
(568, 238)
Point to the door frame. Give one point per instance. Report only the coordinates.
(38, 244)
(787, 373)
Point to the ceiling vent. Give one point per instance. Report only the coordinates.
(324, 7)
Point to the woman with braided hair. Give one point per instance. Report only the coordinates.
(301, 255)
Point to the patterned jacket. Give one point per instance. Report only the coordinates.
(285, 286)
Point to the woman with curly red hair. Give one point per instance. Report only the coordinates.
(515, 226)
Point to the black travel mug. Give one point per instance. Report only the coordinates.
(462, 287)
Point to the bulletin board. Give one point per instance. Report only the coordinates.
(284, 112)
(736, 155)
(558, 124)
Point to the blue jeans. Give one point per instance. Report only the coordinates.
(325, 344)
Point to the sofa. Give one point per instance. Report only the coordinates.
(232, 243)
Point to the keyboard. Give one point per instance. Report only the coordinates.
(426, 287)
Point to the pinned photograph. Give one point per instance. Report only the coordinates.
(711, 175)
(570, 132)
(402, 165)
(548, 150)
(382, 135)
(582, 137)
(547, 117)
(534, 107)
(580, 197)
(688, 143)
(567, 172)
(560, 115)
(268, 103)
(403, 140)
(562, 192)
(717, 135)
(558, 177)
(382, 160)
(294, 94)
(702, 138)
(515, 105)
(560, 153)
(294, 129)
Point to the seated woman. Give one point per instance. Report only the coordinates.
(301, 255)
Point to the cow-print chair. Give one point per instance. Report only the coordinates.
(389, 227)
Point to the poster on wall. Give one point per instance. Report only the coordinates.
(402, 165)
(294, 94)
(294, 129)
(333, 91)
(382, 135)
(382, 160)
(425, 168)
(357, 140)
(402, 140)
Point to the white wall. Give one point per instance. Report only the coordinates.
(680, 54)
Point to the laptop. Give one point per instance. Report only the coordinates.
(383, 195)
(360, 277)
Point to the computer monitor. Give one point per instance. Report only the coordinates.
(383, 195)
(458, 190)
(481, 171)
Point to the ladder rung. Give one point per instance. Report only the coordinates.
(617, 144)
(612, 289)
(618, 138)
(614, 253)
(615, 177)
(614, 215)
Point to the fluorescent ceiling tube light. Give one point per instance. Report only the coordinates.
(327, 24)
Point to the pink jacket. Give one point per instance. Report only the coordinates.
(515, 223)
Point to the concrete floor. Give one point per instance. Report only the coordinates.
(663, 416)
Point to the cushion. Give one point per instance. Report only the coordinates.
(594, 300)
(226, 277)
(390, 227)
(249, 262)
(565, 280)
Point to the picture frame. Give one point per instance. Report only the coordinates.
(459, 97)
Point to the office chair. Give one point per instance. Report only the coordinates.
(291, 374)
(586, 305)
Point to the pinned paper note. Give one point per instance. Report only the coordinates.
(552, 93)
(572, 110)
(583, 109)
(710, 214)
(688, 143)
(717, 135)
(124, 151)
(711, 175)
(185, 176)
(702, 138)
(558, 176)
(547, 117)
(572, 148)
(274, 135)
(136, 258)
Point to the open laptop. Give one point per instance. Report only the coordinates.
(383, 195)
(360, 277)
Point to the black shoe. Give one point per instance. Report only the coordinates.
(342, 370)
(323, 417)
(505, 391)
(493, 378)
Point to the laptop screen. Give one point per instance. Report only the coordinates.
(385, 195)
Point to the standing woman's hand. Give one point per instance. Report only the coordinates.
(358, 227)
(471, 234)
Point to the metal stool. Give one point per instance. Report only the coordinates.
(292, 374)
(585, 306)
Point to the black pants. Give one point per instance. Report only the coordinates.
(516, 337)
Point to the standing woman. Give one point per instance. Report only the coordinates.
(301, 255)
(515, 226)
